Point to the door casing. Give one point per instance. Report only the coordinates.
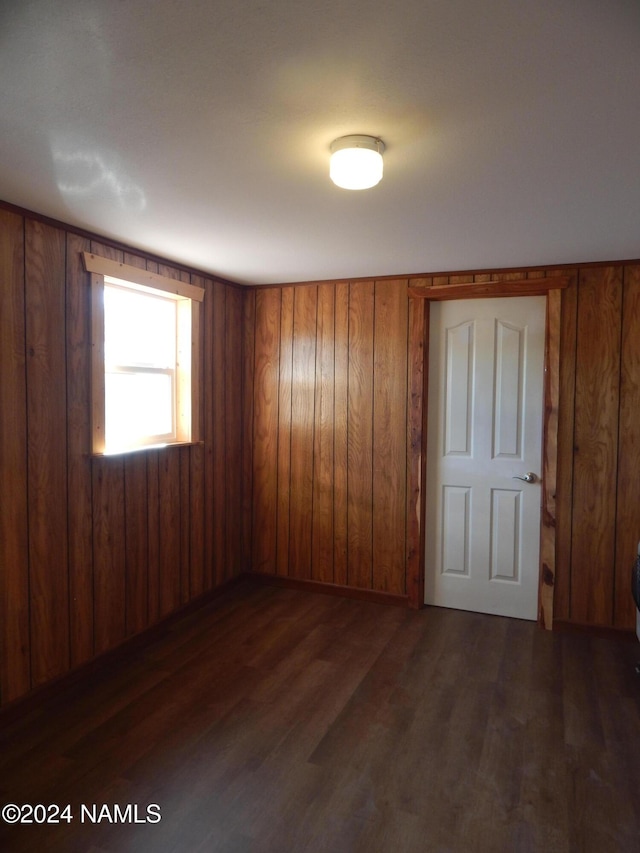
(551, 287)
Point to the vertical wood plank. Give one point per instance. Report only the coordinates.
(628, 497)
(596, 445)
(197, 470)
(340, 434)
(184, 465)
(137, 542)
(248, 366)
(47, 450)
(153, 535)
(390, 436)
(416, 410)
(169, 520)
(233, 432)
(78, 324)
(15, 667)
(564, 483)
(196, 533)
(109, 553)
(550, 460)
(211, 375)
(302, 422)
(360, 437)
(219, 436)
(285, 381)
(322, 556)
(265, 429)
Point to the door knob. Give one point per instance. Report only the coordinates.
(529, 477)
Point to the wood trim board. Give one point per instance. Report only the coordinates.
(549, 287)
(491, 289)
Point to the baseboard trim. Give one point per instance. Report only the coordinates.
(29, 701)
(371, 595)
(605, 631)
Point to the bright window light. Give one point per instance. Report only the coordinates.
(140, 331)
(145, 365)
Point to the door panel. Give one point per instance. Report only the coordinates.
(486, 360)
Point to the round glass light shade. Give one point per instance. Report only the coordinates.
(356, 162)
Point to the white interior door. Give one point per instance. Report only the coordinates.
(482, 533)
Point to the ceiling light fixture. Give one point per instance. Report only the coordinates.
(356, 162)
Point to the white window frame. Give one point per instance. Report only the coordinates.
(189, 299)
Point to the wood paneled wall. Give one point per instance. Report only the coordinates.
(335, 415)
(329, 424)
(599, 447)
(96, 550)
(311, 466)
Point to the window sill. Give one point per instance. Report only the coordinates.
(146, 449)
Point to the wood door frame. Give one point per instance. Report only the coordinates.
(420, 299)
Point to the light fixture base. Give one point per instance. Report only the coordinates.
(356, 161)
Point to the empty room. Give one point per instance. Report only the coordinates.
(319, 426)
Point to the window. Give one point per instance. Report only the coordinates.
(145, 331)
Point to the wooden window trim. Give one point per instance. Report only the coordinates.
(189, 300)
(114, 269)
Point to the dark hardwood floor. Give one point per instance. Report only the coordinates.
(277, 720)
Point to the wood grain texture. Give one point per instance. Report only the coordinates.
(197, 529)
(109, 515)
(80, 545)
(47, 450)
(248, 367)
(170, 528)
(153, 534)
(285, 385)
(550, 459)
(390, 437)
(209, 435)
(302, 429)
(340, 435)
(596, 445)
(416, 440)
(136, 542)
(327, 736)
(161, 277)
(116, 520)
(197, 455)
(360, 434)
(15, 665)
(265, 430)
(322, 555)
(109, 586)
(219, 520)
(628, 493)
(513, 284)
(566, 419)
(186, 516)
(233, 433)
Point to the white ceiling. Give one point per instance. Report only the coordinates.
(200, 130)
